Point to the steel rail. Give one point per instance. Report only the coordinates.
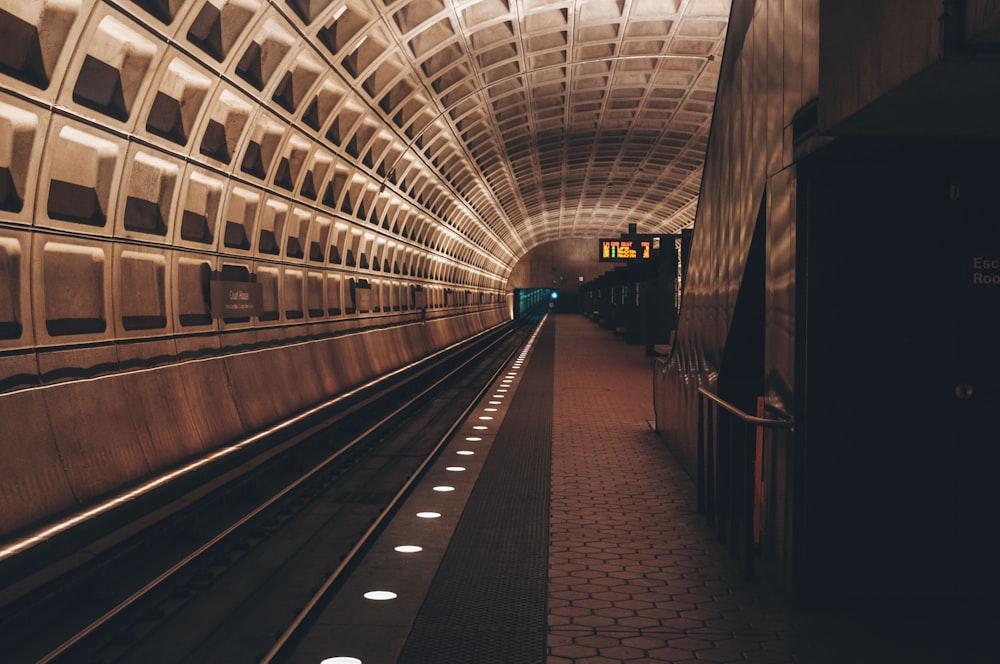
(9, 550)
(286, 638)
(251, 516)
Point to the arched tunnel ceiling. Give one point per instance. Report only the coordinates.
(479, 128)
(576, 117)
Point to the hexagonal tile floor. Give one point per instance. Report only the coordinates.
(635, 575)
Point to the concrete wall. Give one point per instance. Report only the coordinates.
(146, 147)
(833, 272)
(909, 68)
(68, 443)
(561, 265)
(770, 72)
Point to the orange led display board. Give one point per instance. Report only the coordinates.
(628, 249)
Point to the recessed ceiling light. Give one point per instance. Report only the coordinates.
(428, 515)
(380, 595)
(473, 439)
(341, 660)
(444, 489)
(409, 548)
(465, 452)
(455, 469)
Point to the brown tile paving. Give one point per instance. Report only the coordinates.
(636, 576)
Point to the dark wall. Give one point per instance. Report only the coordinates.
(899, 369)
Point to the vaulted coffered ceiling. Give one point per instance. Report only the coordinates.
(555, 119)
(477, 129)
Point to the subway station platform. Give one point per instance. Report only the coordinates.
(572, 537)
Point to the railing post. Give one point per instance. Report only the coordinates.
(723, 473)
(749, 503)
(702, 441)
(736, 465)
(728, 471)
(711, 464)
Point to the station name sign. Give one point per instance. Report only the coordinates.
(236, 299)
(628, 248)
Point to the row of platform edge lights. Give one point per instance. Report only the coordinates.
(481, 427)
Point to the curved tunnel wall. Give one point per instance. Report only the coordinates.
(794, 293)
(747, 207)
(145, 146)
(67, 443)
(749, 168)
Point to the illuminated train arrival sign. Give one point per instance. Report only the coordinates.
(628, 248)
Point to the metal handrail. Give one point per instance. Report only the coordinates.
(728, 473)
(747, 417)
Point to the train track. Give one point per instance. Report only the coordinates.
(234, 574)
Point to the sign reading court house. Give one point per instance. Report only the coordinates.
(236, 299)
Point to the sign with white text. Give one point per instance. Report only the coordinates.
(236, 299)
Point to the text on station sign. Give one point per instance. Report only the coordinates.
(626, 249)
